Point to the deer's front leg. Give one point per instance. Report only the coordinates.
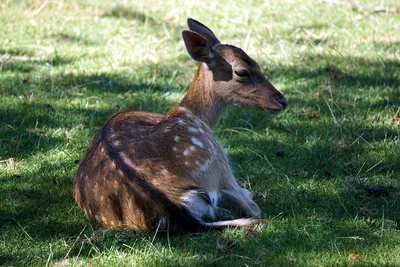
(241, 200)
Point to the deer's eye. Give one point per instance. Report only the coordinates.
(243, 74)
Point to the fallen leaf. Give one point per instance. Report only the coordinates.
(314, 115)
(300, 112)
(62, 263)
(255, 228)
(353, 256)
(75, 101)
(318, 94)
(338, 147)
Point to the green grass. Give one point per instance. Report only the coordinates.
(67, 66)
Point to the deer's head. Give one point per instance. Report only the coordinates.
(236, 78)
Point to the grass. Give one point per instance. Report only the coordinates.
(67, 66)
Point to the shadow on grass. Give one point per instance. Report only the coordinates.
(353, 72)
(69, 38)
(24, 64)
(41, 205)
(125, 12)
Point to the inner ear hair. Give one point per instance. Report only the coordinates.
(198, 47)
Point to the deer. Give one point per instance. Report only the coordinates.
(145, 171)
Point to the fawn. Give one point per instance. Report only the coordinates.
(146, 171)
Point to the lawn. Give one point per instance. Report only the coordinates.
(67, 66)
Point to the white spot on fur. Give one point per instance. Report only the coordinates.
(112, 223)
(119, 223)
(164, 171)
(104, 219)
(96, 217)
(193, 130)
(176, 138)
(181, 122)
(116, 143)
(189, 115)
(187, 163)
(101, 198)
(174, 148)
(112, 165)
(116, 193)
(210, 143)
(198, 122)
(187, 150)
(166, 130)
(197, 142)
(206, 165)
(102, 150)
(90, 212)
(96, 189)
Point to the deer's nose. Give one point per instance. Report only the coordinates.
(281, 100)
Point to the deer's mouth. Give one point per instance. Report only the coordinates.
(282, 102)
(276, 106)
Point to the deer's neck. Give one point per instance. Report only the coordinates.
(200, 99)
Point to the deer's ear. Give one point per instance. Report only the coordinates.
(203, 30)
(198, 48)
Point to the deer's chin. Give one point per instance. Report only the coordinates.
(273, 110)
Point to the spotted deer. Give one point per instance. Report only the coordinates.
(146, 171)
